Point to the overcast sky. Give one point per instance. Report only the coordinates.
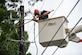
(72, 47)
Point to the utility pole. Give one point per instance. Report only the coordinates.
(21, 31)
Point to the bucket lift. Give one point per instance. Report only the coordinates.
(49, 27)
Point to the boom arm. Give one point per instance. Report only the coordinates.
(73, 37)
(77, 29)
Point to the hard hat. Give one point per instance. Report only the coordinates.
(36, 11)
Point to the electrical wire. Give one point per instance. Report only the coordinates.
(60, 27)
(7, 40)
(68, 34)
(43, 4)
(35, 41)
(57, 7)
(73, 8)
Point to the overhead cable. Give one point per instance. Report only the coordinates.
(35, 41)
(42, 4)
(57, 7)
(73, 8)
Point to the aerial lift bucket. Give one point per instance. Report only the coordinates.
(48, 29)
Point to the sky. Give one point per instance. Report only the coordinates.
(72, 48)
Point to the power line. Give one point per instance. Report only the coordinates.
(35, 41)
(59, 28)
(57, 7)
(73, 8)
(68, 34)
(43, 4)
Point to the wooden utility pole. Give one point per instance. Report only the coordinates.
(21, 31)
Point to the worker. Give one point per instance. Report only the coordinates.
(44, 16)
(41, 15)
